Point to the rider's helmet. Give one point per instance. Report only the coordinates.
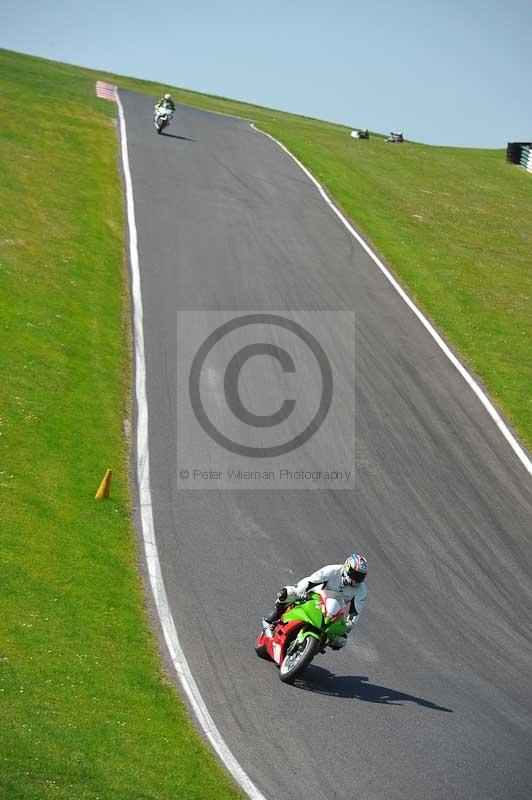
(354, 570)
(168, 96)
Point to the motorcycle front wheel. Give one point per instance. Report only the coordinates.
(298, 656)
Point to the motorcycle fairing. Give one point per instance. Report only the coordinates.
(282, 633)
(311, 612)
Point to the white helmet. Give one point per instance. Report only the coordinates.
(168, 96)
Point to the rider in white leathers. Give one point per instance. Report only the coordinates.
(344, 582)
(166, 102)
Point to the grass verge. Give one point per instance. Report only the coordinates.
(87, 712)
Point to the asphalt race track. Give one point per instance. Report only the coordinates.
(432, 697)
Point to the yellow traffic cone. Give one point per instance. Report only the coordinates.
(105, 486)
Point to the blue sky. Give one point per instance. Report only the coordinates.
(456, 73)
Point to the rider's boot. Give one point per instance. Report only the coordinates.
(278, 609)
(275, 615)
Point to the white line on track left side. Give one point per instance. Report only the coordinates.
(146, 514)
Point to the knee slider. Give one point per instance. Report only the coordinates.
(338, 642)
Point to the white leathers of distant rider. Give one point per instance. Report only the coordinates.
(353, 597)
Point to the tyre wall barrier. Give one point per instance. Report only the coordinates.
(520, 153)
(526, 158)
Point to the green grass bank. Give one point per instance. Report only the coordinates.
(86, 709)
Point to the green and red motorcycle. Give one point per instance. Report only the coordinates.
(305, 628)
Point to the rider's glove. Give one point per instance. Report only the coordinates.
(301, 594)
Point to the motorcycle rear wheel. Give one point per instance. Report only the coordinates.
(297, 658)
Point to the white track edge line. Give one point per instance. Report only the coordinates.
(143, 475)
(486, 402)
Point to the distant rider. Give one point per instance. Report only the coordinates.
(395, 137)
(344, 582)
(165, 102)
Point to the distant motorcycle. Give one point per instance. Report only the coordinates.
(304, 629)
(162, 116)
(395, 138)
